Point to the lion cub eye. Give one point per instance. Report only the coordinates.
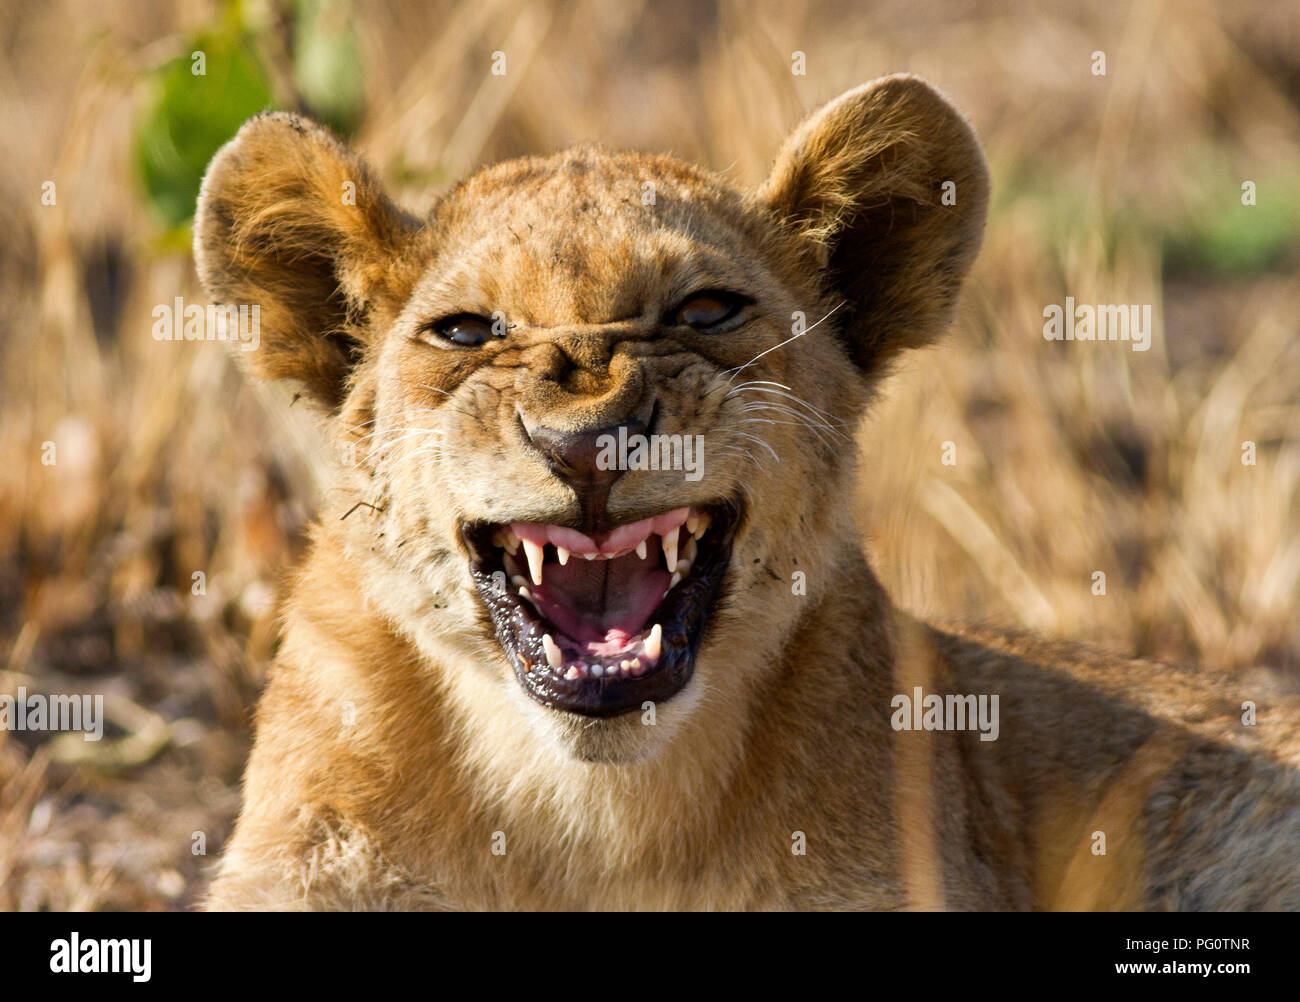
(711, 311)
(464, 330)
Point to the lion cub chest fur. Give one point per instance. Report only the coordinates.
(419, 745)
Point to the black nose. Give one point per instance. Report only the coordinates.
(589, 460)
(580, 456)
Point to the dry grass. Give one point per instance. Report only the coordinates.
(1071, 458)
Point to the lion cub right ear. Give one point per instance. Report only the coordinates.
(291, 221)
(885, 189)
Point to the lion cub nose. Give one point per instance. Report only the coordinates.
(574, 455)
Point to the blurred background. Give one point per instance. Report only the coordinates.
(1071, 458)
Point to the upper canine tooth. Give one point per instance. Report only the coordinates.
(509, 541)
(675, 579)
(534, 554)
(705, 520)
(640, 549)
(692, 523)
(564, 555)
(553, 656)
(654, 643)
(670, 547)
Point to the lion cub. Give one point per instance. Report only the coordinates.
(546, 652)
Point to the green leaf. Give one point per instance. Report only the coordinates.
(191, 114)
(327, 64)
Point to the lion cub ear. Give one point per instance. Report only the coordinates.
(886, 190)
(292, 222)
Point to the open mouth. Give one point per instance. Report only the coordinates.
(599, 624)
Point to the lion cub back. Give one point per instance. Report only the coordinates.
(1136, 785)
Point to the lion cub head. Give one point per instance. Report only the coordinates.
(601, 405)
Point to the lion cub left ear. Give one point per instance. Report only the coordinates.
(885, 189)
(291, 221)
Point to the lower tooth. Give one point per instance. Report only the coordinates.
(673, 583)
(654, 643)
(573, 673)
(596, 671)
(553, 656)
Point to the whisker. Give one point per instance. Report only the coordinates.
(772, 405)
(764, 386)
(818, 428)
(380, 446)
(795, 424)
(755, 438)
(432, 430)
(737, 371)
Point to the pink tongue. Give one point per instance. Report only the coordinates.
(599, 606)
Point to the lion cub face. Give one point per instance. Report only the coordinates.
(600, 405)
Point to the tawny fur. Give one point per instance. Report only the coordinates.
(395, 749)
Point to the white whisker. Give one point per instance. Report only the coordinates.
(808, 330)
